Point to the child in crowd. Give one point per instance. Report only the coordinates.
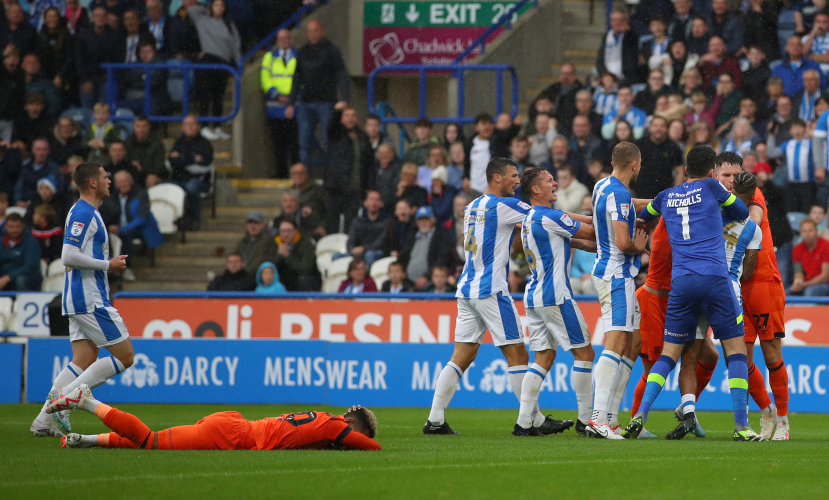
(48, 234)
(440, 281)
(398, 282)
(100, 134)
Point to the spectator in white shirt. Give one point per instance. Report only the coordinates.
(570, 191)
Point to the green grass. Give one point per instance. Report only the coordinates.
(484, 462)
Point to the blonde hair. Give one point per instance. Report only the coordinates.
(74, 160)
(409, 168)
(101, 106)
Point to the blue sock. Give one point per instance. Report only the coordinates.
(656, 379)
(738, 382)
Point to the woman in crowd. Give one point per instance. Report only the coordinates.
(56, 50)
(701, 133)
(358, 280)
(676, 133)
(435, 159)
(681, 62)
(742, 137)
(451, 134)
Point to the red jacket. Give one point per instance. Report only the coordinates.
(368, 285)
(711, 71)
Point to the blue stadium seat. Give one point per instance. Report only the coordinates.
(82, 116)
(124, 127)
(175, 84)
(794, 220)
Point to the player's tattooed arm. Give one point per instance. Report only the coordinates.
(628, 245)
(749, 262)
(586, 245)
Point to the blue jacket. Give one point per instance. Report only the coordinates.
(139, 217)
(26, 186)
(275, 287)
(793, 78)
(23, 259)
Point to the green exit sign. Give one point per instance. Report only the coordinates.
(437, 14)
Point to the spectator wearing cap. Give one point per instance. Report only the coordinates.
(295, 259)
(418, 153)
(431, 246)
(441, 197)
(811, 263)
(369, 236)
(793, 67)
(257, 246)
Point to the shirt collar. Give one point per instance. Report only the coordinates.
(427, 235)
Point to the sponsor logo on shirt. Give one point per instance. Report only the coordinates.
(523, 205)
(77, 229)
(625, 208)
(567, 221)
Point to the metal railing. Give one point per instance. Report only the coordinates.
(185, 68)
(505, 19)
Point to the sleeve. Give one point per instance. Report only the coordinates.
(821, 127)
(756, 239)
(731, 205)
(72, 257)
(651, 211)
(76, 226)
(350, 439)
(515, 212)
(343, 79)
(620, 206)
(558, 222)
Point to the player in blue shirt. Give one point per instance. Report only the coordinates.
(484, 302)
(700, 283)
(93, 322)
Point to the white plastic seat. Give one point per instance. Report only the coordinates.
(53, 283)
(43, 268)
(337, 272)
(324, 262)
(167, 206)
(56, 267)
(6, 313)
(333, 243)
(115, 245)
(380, 270)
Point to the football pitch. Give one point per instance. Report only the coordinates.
(484, 462)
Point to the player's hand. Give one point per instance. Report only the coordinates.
(306, 211)
(647, 226)
(354, 408)
(640, 240)
(118, 263)
(820, 175)
(289, 112)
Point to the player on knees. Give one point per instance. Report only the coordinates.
(764, 299)
(93, 322)
(484, 302)
(554, 317)
(619, 245)
(700, 284)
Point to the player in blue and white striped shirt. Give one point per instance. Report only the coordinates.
(483, 295)
(619, 245)
(93, 322)
(554, 318)
(605, 95)
(802, 172)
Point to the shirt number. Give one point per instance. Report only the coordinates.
(297, 419)
(530, 255)
(471, 244)
(686, 220)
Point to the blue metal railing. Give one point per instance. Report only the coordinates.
(185, 68)
(505, 19)
(384, 109)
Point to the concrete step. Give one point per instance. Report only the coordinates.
(257, 200)
(228, 224)
(213, 237)
(577, 13)
(582, 37)
(241, 212)
(165, 275)
(154, 286)
(195, 250)
(211, 263)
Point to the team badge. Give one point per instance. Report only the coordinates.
(524, 205)
(567, 221)
(77, 229)
(625, 208)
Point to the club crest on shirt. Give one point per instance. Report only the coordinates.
(567, 221)
(625, 209)
(77, 228)
(524, 205)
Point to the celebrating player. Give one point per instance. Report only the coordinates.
(554, 317)
(483, 295)
(93, 322)
(700, 283)
(617, 263)
(226, 430)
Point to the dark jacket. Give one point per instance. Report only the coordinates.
(313, 196)
(646, 100)
(754, 81)
(441, 249)
(385, 181)
(125, 164)
(188, 148)
(92, 49)
(370, 234)
(232, 282)
(565, 105)
(760, 28)
(39, 84)
(320, 74)
(23, 259)
(341, 157)
(679, 29)
(57, 54)
(184, 38)
(442, 205)
(10, 169)
(407, 286)
(255, 252)
(579, 157)
(401, 233)
(416, 196)
(149, 153)
(26, 186)
(63, 149)
(730, 30)
(300, 267)
(50, 240)
(132, 83)
(27, 130)
(12, 95)
(793, 77)
(630, 56)
(139, 217)
(24, 37)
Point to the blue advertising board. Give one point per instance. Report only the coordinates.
(383, 375)
(11, 376)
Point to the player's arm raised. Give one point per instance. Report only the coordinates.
(749, 263)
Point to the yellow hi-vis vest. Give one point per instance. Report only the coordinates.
(276, 74)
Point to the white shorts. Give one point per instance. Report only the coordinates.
(620, 309)
(703, 325)
(104, 327)
(496, 313)
(552, 326)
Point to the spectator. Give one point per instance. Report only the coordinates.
(625, 110)
(726, 26)
(18, 32)
(816, 43)
(34, 169)
(10, 169)
(731, 97)
(623, 133)
(691, 82)
(716, 62)
(397, 282)
(295, 259)
(757, 75)
(56, 51)
(267, 279)
(662, 165)
(387, 176)
(519, 149)
(369, 236)
(357, 281)
(257, 246)
(184, 37)
(792, 68)
(802, 173)
(402, 226)
(605, 94)
(697, 43)
(375, 134)
(234, 279)
(781, 121)
(618, 52)
(750, 159)
(192, 161)
(158, 26)
(133, 85)
(435, 158)
(570, 191)
(66, 140)
(818, 214)
(559, 155)
(320, 77)
(220, 44)
(48, 234)
(276, 79)
(118, 162)
(47, 194)
(12, 92)
(742, 137)
(442, 196)
(34, 124)
(93, 46)
(311, 195)
(418, 152)
(584, 146)
(679, 26)
(542, 104)
(440, 281)
(678, 63)
(311, 224)
(128, 215)
(76, 16)
(100, 134)
(19, 258)
(457, 157)
(655, 46)
(584, 107)
(700, 111)
(677, 133)
(542, 141)
(563, 94)
(760, 28)
(133, 37)
(349, 172)
(407, 188)
(459, 205)
(431, 246)
(774, 91)
(748, 110)
(146, 152)
(479, 150)
(806, 99)
(36, 83)
(811, 263)
(452, 133)
(804, 14)
(65, 183)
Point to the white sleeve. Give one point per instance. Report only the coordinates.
(72, 257)
(756, 239)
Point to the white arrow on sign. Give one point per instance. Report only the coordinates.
(412, 14)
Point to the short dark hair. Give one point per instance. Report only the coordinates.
(624, 86)
(744, 184)
(372, 116)
(13, 217)
(483, 117)
(624, 154)
(569, 168)
(423, 122)
(289, 221)
(498, 166)
(146, 43)
(34, 98)
(84, 172)
(796, 121)
(529, 179)
(232, 254)
(141, 117)
(700, 160)
(397, 264)
(727, 157)
(659, 18)
(813, 205)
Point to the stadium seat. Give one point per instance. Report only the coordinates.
(115, 245)
(56, 267)
(167, 205)
(124, 127)
(333, 243)
(82, 116)
(53, 283)
(6, 313)
(337, 272)
(794, 220)
(16, 210)
(324, 262)
(43, 268)
(380, 270)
